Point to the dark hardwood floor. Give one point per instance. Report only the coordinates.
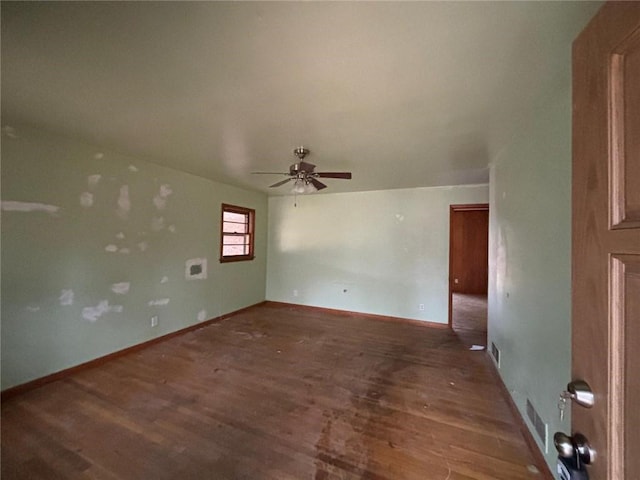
(274, 393)
(469, 318)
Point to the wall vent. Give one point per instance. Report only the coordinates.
(495, 353)
(538, 424)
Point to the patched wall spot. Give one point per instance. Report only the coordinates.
(9, 131)
(13, 206)
(160, 302)
(92, 314)
(196, 269)
(66, 297)
(93, 180)
(86, 199)
(124, 203)
(121, 288)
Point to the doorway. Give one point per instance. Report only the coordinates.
(469, 272)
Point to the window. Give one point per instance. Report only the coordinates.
(236, 233)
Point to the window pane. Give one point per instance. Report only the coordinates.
(230, 250)
(229, 227)
(236, 236)
(235, 217)
(236, 239)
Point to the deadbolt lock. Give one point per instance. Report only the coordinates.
(580, 392)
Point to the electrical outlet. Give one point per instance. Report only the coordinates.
(421, 307)
(154, 321)
(295, 293)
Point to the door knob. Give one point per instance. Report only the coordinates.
(563, 444)
(577, 446)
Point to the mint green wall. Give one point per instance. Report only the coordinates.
(47, 253)
(530, 263)
(529, 311)
(388, 249)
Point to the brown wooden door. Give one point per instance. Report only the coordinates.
(468, 248)
(606, 237)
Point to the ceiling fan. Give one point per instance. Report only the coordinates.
(304, 175)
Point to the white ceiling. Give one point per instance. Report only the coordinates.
(403, 94)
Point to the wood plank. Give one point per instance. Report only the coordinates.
(275, 393)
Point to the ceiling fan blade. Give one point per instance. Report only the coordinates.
(281, 183)
(344, 175)
(319, 185)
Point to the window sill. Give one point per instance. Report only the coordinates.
(236, 258)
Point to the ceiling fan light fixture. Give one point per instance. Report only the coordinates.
(309, 187)
(298, 187)
(302, 185)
